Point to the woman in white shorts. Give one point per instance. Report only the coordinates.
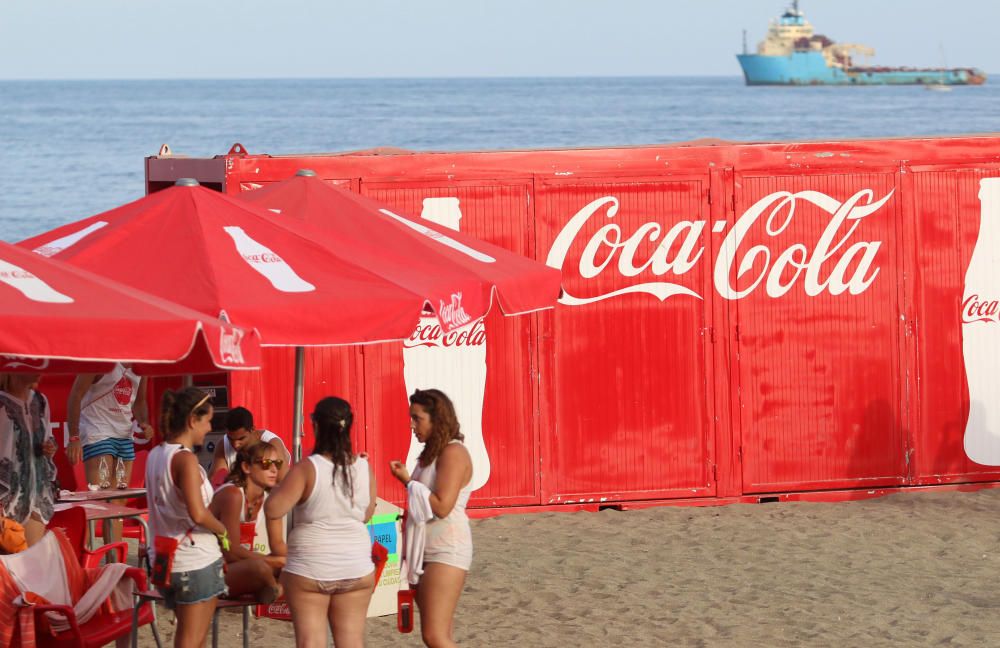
(445, 468)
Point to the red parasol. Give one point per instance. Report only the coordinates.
(214, 254)
(456, 274)
(58, 318)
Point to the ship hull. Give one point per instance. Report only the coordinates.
(810, 68)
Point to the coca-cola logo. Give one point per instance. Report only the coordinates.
(123, 391)
(980, 309)
(681, 247)
(229, 346)
(429, 334)
(11, 363)
(265, 257)
(451, 313)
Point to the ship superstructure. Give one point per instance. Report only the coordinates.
(792, 53)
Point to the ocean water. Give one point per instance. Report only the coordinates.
(70, 149)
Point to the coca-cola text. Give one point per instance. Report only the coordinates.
(681, 247)
(429, 334)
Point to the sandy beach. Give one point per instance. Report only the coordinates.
(914, 569)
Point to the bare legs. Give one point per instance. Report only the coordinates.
(92, 468)
(437, 598)
(193, 622)
(252, 576)
(313, 611)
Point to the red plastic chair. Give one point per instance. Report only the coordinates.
(73, 523)
(103, 628)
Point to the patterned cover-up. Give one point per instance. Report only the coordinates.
(27, 477)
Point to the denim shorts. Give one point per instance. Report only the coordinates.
(195, 586)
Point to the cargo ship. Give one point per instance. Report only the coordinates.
(793, 54)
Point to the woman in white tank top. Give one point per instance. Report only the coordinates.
(239, 503)
(178, 493)
(445, 468)
(329, 575)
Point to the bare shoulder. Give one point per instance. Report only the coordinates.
(183, 460)
(457, 453)
(228, 495)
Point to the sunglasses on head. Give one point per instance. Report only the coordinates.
(267, 463)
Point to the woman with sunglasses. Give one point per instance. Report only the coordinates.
(251, 567)
(179, 493)
(329, 576)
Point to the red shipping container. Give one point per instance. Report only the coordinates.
(740, 320)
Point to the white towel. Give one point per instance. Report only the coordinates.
(418, 513)
(40, 569)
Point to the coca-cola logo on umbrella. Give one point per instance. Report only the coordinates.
(229, 346)
(680, 248)
(10, 363)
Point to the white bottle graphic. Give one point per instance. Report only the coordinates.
(454, 362)
(267, 263)
(981, 336)
(30, 286)
(55, 247)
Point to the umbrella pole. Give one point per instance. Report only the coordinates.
(300, 369)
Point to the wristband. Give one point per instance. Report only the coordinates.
(223, 540)
(74, 439)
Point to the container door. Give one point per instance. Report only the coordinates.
(954, 316)
(489, 373)
(626, 358)
(811, 266)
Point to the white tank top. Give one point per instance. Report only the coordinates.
(330, 540)
(266, 436)
(106, 408)
(261, 543)
(168, 515)
(450, 534)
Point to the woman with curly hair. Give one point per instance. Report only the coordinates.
(441, 479)
(329, 575)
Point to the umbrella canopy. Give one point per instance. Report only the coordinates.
(457, 275)
(58, 318)
(214, 254)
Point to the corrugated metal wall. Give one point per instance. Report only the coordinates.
(498, 212)
(819, 374)
(630, 415)
(631, 397)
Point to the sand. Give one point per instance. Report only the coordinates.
(913, 569)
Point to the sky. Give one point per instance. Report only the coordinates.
(187, 39)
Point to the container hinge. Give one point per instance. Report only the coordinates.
(736, 331)
(711, 334)
(715, 473)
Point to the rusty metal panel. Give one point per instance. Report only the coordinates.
(630, 415)
(947, 316)
(813, 271)
(496, 401)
